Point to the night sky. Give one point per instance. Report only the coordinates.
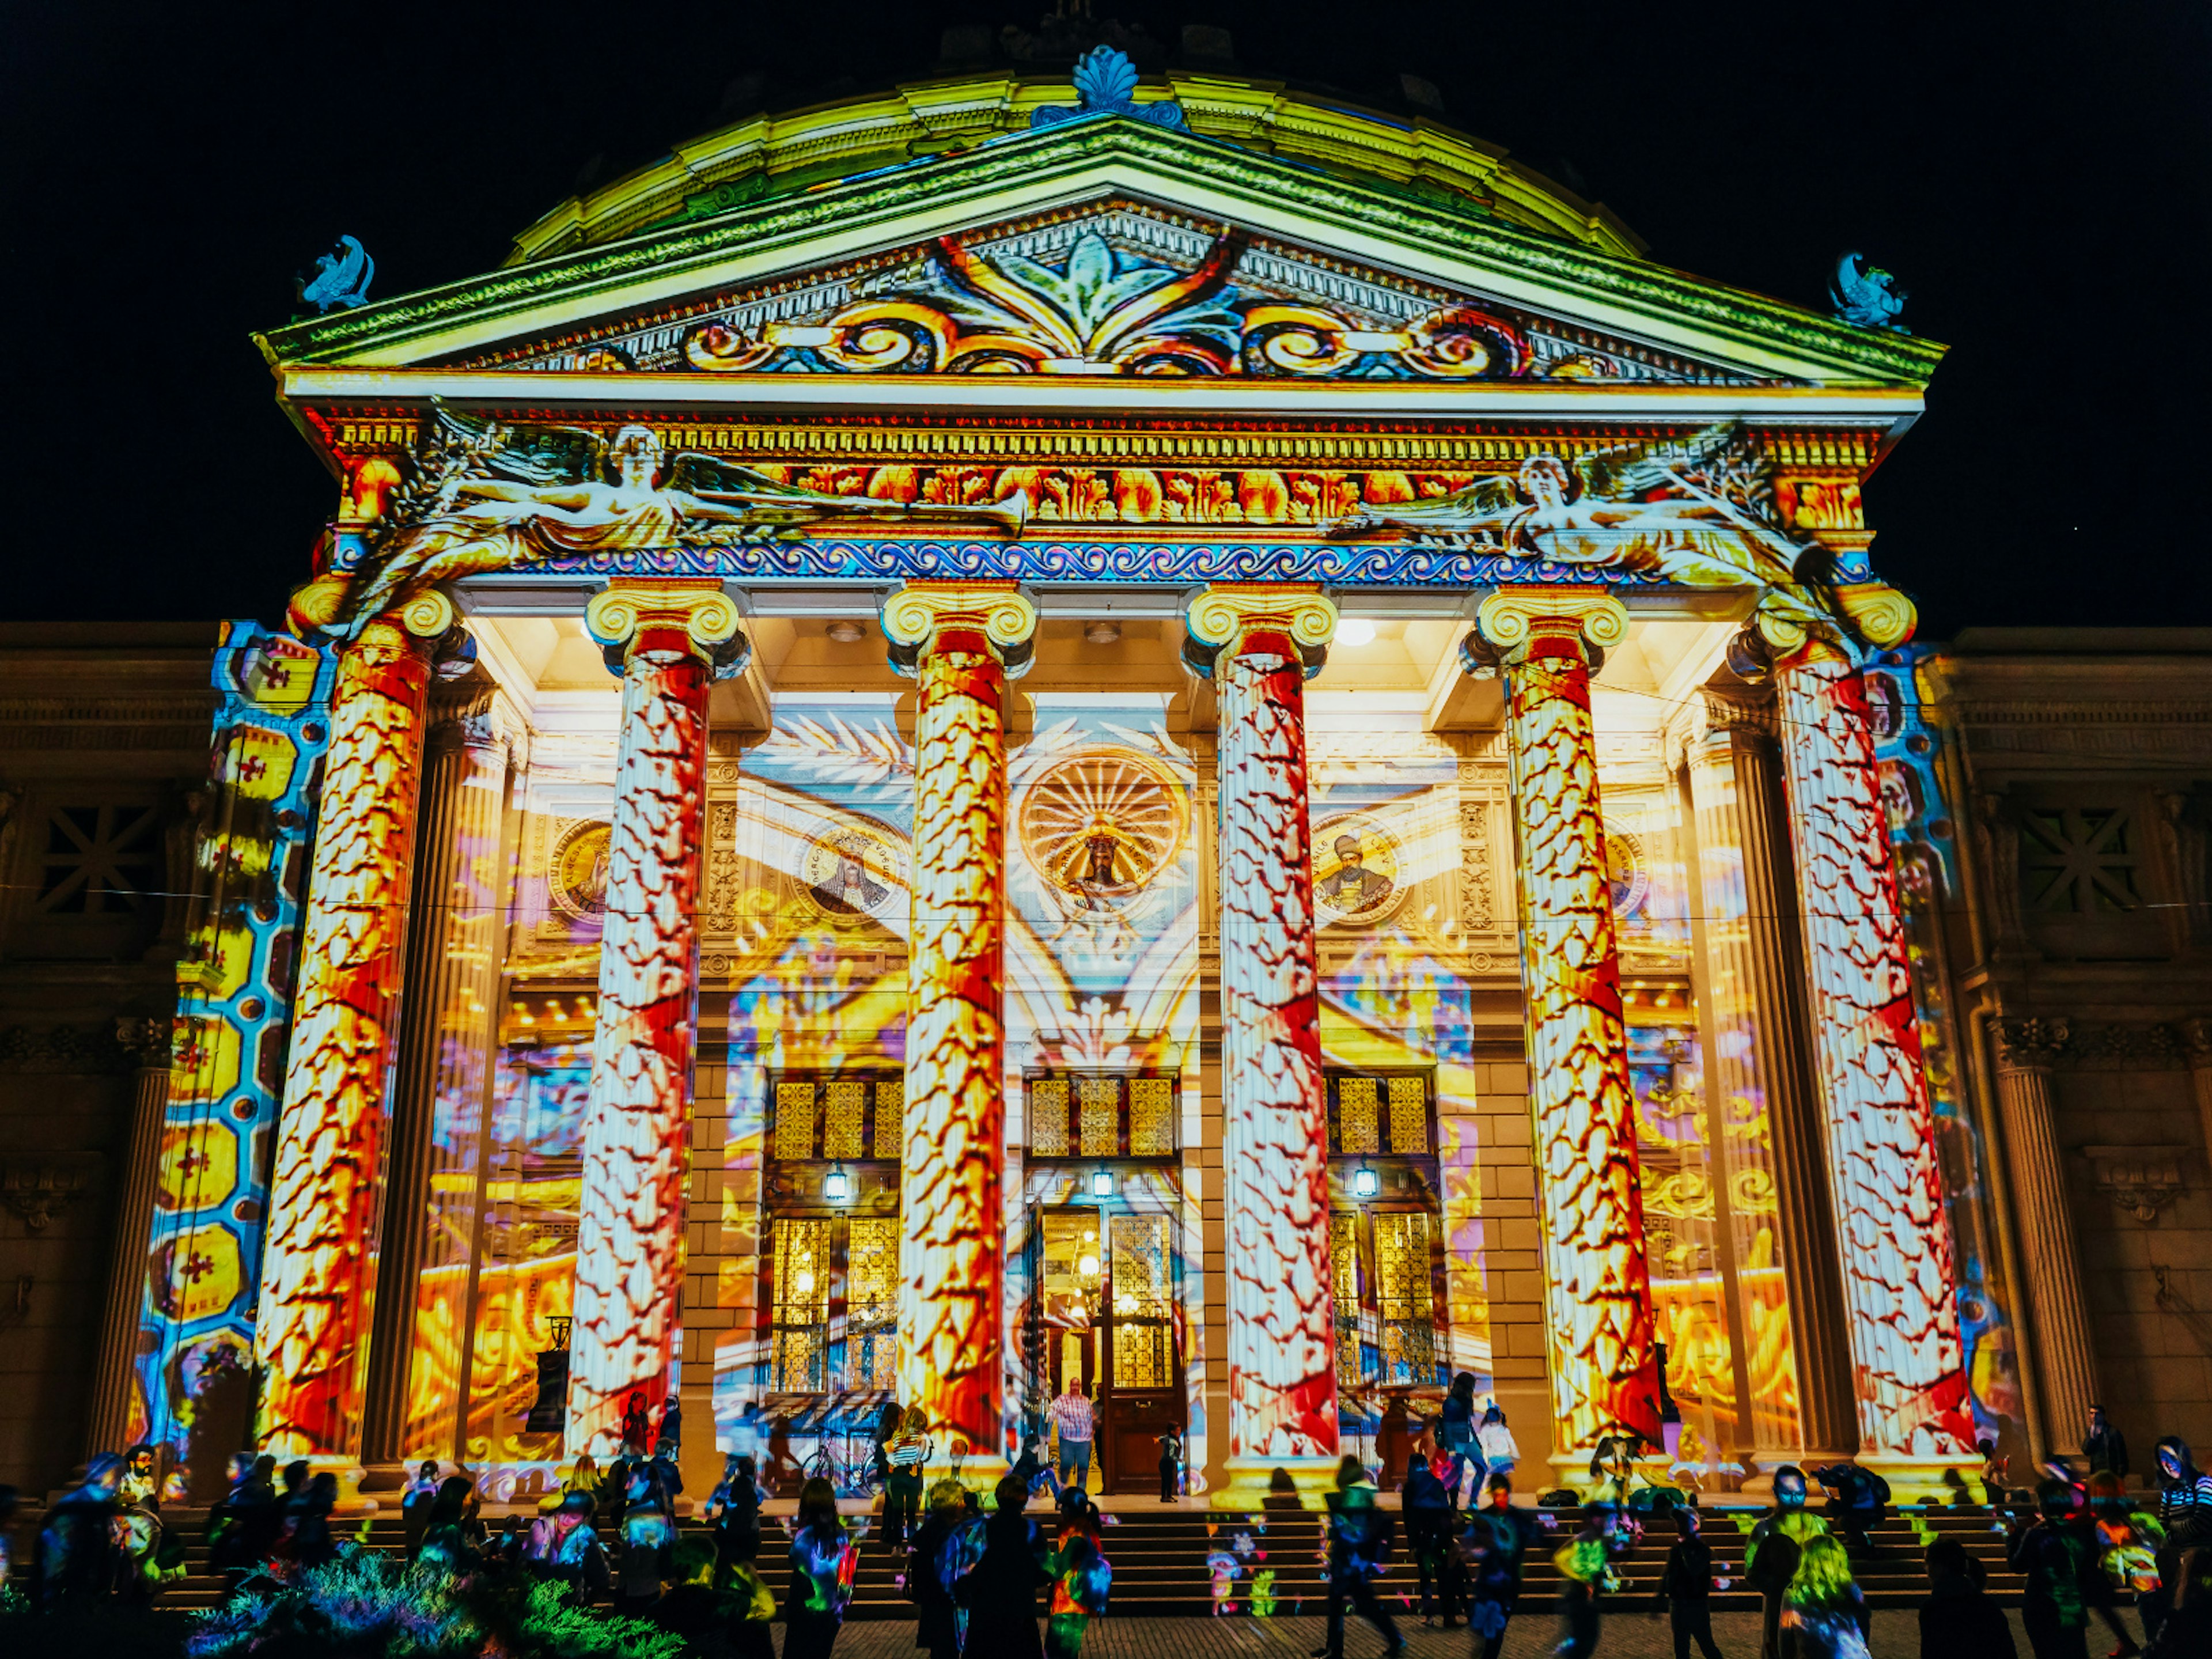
(2038, 179)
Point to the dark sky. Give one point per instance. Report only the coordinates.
(2038, 178)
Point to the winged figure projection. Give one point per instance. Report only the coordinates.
(484, 496)
(341, 278)
(1699, 512)
(1866, 295)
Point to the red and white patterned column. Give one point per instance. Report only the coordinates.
(629, 1244)
(1604, 1374)
(312, 1325)
(958, 640)
(1274, 1114)
(1899, 1279)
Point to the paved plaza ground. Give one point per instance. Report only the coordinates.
(1625, 1636)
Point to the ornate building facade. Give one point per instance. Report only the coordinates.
(1163, 734)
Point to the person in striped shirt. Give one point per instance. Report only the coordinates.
(908, 1452)
(1072, 1414)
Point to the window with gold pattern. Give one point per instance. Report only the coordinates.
(871, 1259)
(833, 1291)
(1382, 1286)
(1380, 1114)
(840, 1116)
(1093, 1115)
(800, 1278)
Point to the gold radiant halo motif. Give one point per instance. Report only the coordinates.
(1371, 892)
(1133, 809)
(577, 880)
(855, 873)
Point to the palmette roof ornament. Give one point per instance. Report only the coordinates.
(1105, 80)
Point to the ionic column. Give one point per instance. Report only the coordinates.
(667, 637)
(108, 1424)
(1605, 1377)
(315, 1284)
(2065, 1363)
(1257, 642)
(1900, 1280)
(959, 640)
(1753, 956)
(447, 1027)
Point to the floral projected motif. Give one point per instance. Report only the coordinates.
(1101, 311)
(1898, 1271)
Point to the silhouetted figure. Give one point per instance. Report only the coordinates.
(1685, 1589)
(1358, 1544)
(822, 1563)
(1496, 1543)
(1000, 1592)
(1957, 1620)
(2104, 1447)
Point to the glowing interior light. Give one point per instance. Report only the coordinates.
(1087, 1267)
(1355, 630)
(803, 1282)
(1101, 1183)
(1365, 1184)
(837, 1186)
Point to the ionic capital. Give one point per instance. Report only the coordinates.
(1222, 618)
(1001, 615)
(2030, 1045)
(1511, 618)
(696, 610)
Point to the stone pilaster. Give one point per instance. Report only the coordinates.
(667, 638)
(1256, 642)
(108, 1424)
(2196, 1042)
(1755, 981)
(958, 641)
(448, 1024)
(2065, 1364)
(1899, 1278)
(1604, 1366)
(316, 1289)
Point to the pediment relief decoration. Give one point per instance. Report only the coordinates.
(1112, 288)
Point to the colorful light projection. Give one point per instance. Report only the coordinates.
(1603, 1370)
(234, 988)
(952, 1264)
(629, 1245)
(324, 1196)
(1922, 830)
(1898, 1276)
(1274, 1137)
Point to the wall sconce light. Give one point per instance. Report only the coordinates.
(1101, 1183)
(1365, 1184)
(837, 1186)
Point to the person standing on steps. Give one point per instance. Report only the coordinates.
(1359, 1545)
(1957, 1620)
(906, 1455)
(2104, 1447)
(1170, 1465)
(1685, 1589)
(1777, 1544)
(1495, 1546)
(1072, 1415)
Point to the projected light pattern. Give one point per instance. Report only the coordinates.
(629, 1256)
(1282, 1383)
(1898, 1267)
(1599, 1290)
(235, 985)
(952, 1264)
(322, 1199)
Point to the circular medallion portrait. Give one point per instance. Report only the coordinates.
(1356, 864)
(578, 876)
(855, 873)
(1627, 870)
(1099, 826)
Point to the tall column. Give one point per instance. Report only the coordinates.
(1605, 1377)
(315, 1286)
(959, 640)
(667, 636)
(1258, 642)
(1759, 1053)
(447, 1026)
(108, 1424)
(2196, 1038)
(1900, 1280)
(2065, 1363)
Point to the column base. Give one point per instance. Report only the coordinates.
(1253, 1484)
(1926, 1480)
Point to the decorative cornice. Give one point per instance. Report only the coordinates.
(2042, 1042)
(79, 1050)
(2030, 1045)
(39, 1185)
(2139, 1180)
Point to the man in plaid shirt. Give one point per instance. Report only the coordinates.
(1072, 1416)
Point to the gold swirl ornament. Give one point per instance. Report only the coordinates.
(1507, 617)
(917, 613)
(617, 611)
(1223, 616)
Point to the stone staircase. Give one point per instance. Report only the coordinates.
(1161, 1571)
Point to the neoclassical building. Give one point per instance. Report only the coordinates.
(1166, 733)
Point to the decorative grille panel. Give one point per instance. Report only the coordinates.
(1409, 1114)
(1357, 1127)
(1099, 1097)
(890, 1119)
(844, 1103)
(795, 1120)
(1047, 1104)
(1151, 1116)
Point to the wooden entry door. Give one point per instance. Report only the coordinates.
(1106, 1312)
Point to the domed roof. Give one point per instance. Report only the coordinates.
(766, 155)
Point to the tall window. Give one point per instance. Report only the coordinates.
(834, 1324)
(1383, 1230)
(1100, 1114)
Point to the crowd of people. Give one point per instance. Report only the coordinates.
(2085, 1546)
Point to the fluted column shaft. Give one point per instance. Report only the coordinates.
(629, 1238)
(1754, 956)
(447, 1030)
(1899, 1277)
(958, 640)
(108, 1424)
(1604, 1366)
(316, 1287)
(2065, 1361)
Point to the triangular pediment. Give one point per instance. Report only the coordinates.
(1110, 247)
